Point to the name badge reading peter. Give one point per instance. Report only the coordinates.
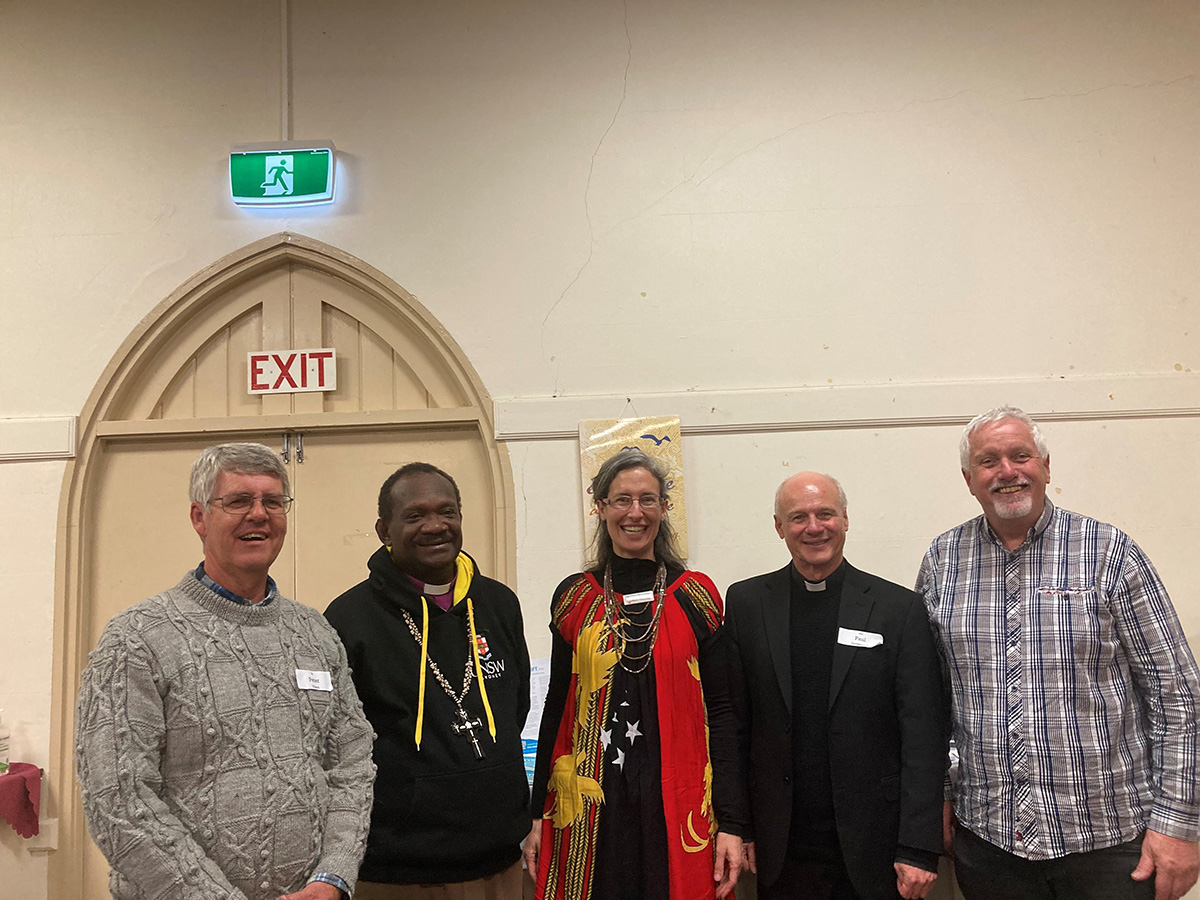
(852, 638)
(308, 680)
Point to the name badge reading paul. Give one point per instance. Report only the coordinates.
(852, 638)
(308, 680)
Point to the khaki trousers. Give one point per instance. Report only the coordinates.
(505, 885)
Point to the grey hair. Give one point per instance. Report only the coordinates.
(664, 542)
(998, 414)
(244, 458)
(837, 484)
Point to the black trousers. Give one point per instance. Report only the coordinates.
(809, 881)
(985, 872)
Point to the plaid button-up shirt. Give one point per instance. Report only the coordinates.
(1073, 691)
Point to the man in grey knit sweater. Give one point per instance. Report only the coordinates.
(221, 748)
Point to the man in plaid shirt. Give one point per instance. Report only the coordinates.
(1073, 691)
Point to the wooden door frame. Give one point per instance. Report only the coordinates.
(150, 357)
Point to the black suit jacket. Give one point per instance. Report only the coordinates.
(888, 724)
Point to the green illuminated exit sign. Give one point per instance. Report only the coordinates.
(286, 173)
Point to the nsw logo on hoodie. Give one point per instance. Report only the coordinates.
(492, 666)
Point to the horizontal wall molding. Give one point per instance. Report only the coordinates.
(40, 437)
(835, 407)
(826, 407)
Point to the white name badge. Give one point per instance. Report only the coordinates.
(853, 638)
(308, 680)
(639, 597)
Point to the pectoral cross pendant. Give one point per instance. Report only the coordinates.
(467, 726)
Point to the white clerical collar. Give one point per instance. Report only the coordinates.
(438, 589)
(814, 587)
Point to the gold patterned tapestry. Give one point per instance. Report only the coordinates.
(656, 435)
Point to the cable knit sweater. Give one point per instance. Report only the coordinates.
(205, 771)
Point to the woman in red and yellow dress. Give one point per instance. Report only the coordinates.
(637, 749)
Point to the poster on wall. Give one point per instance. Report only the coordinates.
(539, 686)
(659, 437)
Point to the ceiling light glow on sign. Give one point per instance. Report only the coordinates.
(285, 173)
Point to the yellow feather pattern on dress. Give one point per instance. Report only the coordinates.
(592, 665)
(569, 790)
(593, 669)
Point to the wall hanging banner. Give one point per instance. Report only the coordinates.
(656, 435)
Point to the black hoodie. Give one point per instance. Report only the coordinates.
(441, 816)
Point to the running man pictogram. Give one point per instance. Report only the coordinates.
(280, 173)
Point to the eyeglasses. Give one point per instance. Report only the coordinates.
(241, 504)
(624, 502)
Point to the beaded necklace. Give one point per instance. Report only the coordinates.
(624, 630)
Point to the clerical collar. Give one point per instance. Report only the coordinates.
(435, 588)
(832, 581)
(441, 594)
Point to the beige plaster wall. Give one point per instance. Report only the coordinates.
(771, 217)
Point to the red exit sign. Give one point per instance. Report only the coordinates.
(291, 371)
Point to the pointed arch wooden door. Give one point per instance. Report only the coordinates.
(178, 384)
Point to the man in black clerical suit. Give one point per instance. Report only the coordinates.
(842, 719)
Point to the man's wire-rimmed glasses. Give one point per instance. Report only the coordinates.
(241, 504)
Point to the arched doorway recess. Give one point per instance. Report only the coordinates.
(405, 391)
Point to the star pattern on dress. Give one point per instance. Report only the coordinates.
(619, 739)
(631, 732)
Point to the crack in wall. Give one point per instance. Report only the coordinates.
(692, 180)
(1104, 87)
(587, 188)
(827, 118)
(524, 499)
